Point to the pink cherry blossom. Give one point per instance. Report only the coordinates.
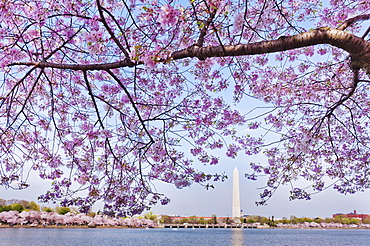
(168, 15)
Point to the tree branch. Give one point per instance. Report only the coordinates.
(206, 24)
(357, 47)
(133, 104)
(111, 33)
(350, 21)
(82, 67)
(325, 35)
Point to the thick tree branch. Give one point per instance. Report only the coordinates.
(355, 46)
(324, 35)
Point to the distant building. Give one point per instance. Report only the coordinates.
(354, 214)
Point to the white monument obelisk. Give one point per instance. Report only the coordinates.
(236, 195)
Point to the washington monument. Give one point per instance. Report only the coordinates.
(236, 194)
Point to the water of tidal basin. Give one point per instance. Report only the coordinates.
(179, 237)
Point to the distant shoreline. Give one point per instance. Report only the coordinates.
(157, 227)
(69, 227)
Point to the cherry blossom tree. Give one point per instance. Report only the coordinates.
(30, 216)
(104, 97)
(9, 217)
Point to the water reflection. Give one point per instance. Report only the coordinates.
(237, 237)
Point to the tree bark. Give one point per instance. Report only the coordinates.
(357, 47)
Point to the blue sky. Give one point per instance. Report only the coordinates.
(198, 201)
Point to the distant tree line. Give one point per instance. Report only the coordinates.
(23, 205)
(167, 219)
(295, 220)
(271, 221)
